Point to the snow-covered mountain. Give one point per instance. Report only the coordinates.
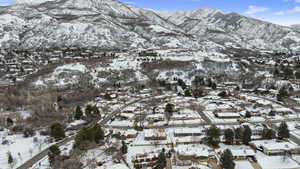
(296, 27)
(113, 24)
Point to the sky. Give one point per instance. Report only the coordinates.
(284, 12)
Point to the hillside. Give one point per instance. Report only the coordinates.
(112, 24)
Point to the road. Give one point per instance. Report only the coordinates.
(274, 127)
(44, 153)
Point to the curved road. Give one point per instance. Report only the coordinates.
(44, 153)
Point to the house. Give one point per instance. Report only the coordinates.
(256, 129)
(282, 111)
(195, 153)
(184, 132)
(188, 140)
(227, 113)
(243, 154)
(129, 134)
(152, 118)
(145, 160)
(129, 109)
(273, 147)
(155, 134)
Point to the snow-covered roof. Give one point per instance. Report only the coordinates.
(273, 145)
(194, 150)
(228, 114)
(243, 152)
(187, 130)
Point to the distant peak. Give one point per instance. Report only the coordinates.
(31, 2)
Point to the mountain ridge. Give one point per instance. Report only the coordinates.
(113, 24)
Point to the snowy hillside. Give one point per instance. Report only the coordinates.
(112, 24)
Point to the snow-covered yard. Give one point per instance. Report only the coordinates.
(21, 149)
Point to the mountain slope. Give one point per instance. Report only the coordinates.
(113, 24)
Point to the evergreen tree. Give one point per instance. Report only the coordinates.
(282, 94)
(96, 111)
(124, 148)
(187, 93)
(78, 113)
(169, 109)
(248, 114)
(198, 93)
(222, 94)
(9, 122)
(229, 136)
(181, 84)
(10, 158)
(238, 133)
(268, 134)
(161, 162)
(213, 135)
(289, 73)
(283, 131)
(276, 72)
(53, 154)
(198, 82)
(247, 135)
(88, 110)
(94, 134)
(98, 133)
(297, 74)
(214, 85)
(226, 160)
(57, 131)
(272, 113)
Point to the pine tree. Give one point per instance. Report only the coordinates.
(78, 113)
(213, 135)
(229, 136)
(226, 160)
(161, 162)
(247, 135)
(276, 72)
(96, 111)
(187, 93)
(98, 134)
(268, 134)
(282, 94)
(271, 113)
(238, 133)
(10, 158)
(57, 131)
(181, 84)
(198, 93)
(248, 114)
(283, 131)
(169, 109)
(53, 154)
(289, 73)
(124, 148)
(94, 134)
(88, 110)
(214, 86)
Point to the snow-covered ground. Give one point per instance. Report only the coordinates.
(21, 149)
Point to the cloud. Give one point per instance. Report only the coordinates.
(295, 9)
(254, 10)
(298, 1)
(280, 13)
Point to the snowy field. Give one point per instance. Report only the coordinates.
(21, 149)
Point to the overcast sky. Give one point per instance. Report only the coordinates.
(284, 12)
